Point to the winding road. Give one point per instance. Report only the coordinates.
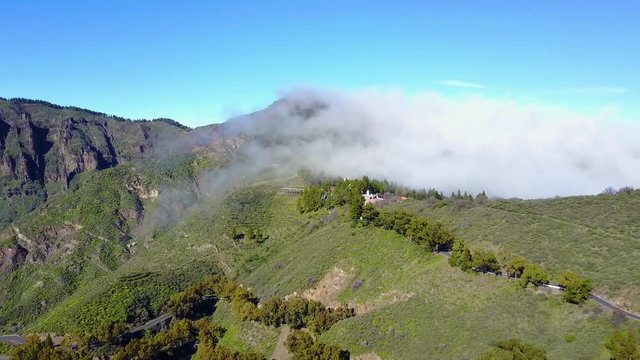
(13, 339)
(596, 298)
(151, 323)
(611, 306)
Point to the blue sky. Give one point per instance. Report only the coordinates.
(201, 61)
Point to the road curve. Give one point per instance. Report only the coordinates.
(611, 306)
(593, 297)
(151, 323)
(13, 339)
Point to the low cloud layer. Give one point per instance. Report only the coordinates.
(427, 140)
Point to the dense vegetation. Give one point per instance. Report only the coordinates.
(190, 309)
(433, 235)
(400, 283)
(595, 236)
(296, 312)
(514, 349)
(304, 347)
(623, 345)
(87, 232)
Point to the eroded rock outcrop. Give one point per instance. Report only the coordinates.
(42, 143)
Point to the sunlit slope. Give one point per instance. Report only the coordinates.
(411, 304)
(597, 236)
(414, 305)
(169, 258)
(86, 233)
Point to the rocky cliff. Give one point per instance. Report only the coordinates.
(43, 146)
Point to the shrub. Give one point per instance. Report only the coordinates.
(516, 267)
(533, 274)
(460, 256)
(514, 349)
(576, 288)
(310, 199)
(485, 261)
(623, 345)
(302, 345)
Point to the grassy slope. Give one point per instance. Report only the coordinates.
(597, 236)
(96, 217)
(176, 256)
(84, 218)
(244, 336)
(449, 314)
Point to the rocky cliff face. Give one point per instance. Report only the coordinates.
(43, 144)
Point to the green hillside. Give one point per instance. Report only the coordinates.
(85, 234)
(597, 236)
(117, 243)
(410, 303)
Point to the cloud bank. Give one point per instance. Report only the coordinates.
(429, 141)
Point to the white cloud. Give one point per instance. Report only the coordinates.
(428, 140)
(459, 83)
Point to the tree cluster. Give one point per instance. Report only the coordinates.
(189, 302)
(178, 342)
(250, 233)
(479, 260)
(112, 333)
(296, 312)
(34, 349)
(576, 288)
(425, 194)
(338, 193)
(311, 199)
(465, 196)
(533, 274)
(626, 190)
(513, 349)
(528, 273)
(485, 261)
(303, 346)
(430, 234)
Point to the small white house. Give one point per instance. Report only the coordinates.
(371, 198)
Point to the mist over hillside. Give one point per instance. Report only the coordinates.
(427, 140)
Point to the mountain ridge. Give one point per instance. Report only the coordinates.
(43, 146)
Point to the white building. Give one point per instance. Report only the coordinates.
(371, 198)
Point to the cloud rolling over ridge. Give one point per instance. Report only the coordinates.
(427, 140)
